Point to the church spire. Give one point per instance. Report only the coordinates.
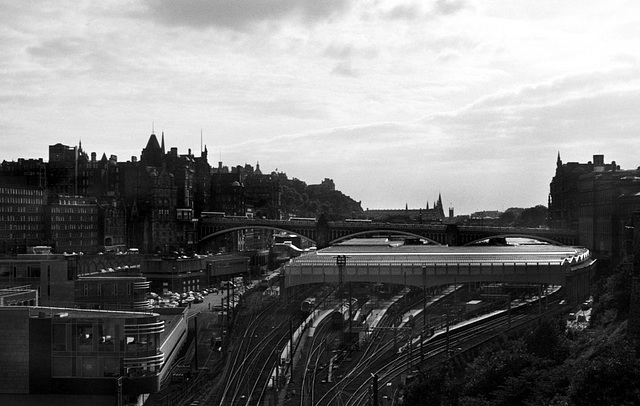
(162, 146)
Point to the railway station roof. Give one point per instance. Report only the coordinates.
(393, 252)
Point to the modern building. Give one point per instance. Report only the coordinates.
(51, 276)
(124, 289)
(22, 216)
(175, 274)
(73, 223)
(71, 356)
(184, 274)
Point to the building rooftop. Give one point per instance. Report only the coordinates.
(379, 253)
(45, 312)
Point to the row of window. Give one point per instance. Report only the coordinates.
(11, 218)
(20, 271)
(18, 191)
(71, 210)
(100, 289)
(21, 209)
(20, 200)
(67, 226)
(73, 202)
(33, 225)
(20, 235)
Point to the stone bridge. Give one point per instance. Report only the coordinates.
(332, 232)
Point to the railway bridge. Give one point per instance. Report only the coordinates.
(432, 265)
(325, 234)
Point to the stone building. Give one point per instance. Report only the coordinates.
(598, 200)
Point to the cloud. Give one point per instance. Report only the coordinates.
(291, 108)
(498, 148)
(240, 15)
(448, 7)
(404, 12)
(344, 68)
(415, 11)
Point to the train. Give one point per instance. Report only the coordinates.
(308, 305)
(343, 313)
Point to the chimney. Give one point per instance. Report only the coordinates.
(598, 163)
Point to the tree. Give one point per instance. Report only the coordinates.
(533, 217)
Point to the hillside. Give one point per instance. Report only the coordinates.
(302, 200)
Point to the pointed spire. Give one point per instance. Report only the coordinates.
(559, 161)
(162, 146)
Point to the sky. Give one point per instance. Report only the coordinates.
(396, 101)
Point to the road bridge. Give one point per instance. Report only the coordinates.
(332, 232)
(431, 265)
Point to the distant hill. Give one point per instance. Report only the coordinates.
(302, 200)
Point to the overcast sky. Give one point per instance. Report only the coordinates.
(397, 101)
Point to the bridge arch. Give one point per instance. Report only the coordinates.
(382, 231)
(249, 227)
(532, 237)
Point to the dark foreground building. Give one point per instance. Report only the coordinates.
(61, 356)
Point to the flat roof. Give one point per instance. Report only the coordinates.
(411, 254)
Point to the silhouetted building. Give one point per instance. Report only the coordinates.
(598, 200)
(426, 215)
(227, 192)
(151, 203)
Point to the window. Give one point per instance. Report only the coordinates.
(85, 337)
(59, 339)
(110, 366)
(88, 366)
(61, 366)
(107, 332)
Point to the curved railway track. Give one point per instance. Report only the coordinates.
(255, 351)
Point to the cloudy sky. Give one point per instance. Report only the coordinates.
(397, 101)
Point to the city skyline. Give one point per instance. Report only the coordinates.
(397, 102)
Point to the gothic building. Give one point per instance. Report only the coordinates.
(428, 214)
